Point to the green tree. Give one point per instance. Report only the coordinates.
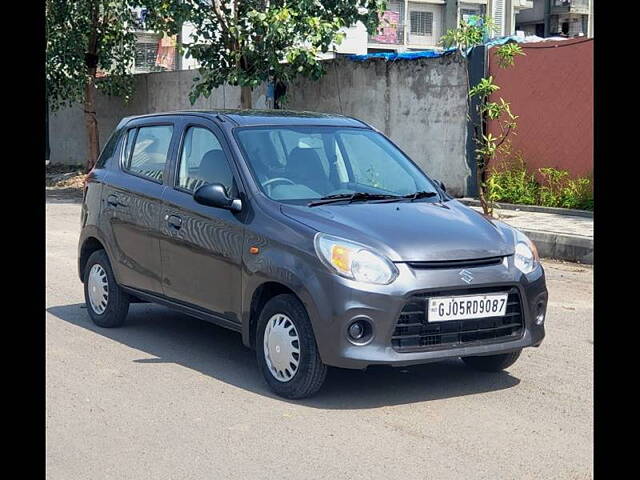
(244, 43)
(90, 43)
(469, 34)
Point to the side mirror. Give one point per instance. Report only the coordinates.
(215, 195)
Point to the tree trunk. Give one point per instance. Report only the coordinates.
(91, 62)
(487, 207)
(90, 121)
(245, 97)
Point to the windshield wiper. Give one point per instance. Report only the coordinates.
(364, 197)
(351, 197)
(421, 194)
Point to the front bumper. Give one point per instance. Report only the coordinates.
(381, 305)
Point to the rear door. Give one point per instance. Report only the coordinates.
(201, 246)
(132, 201)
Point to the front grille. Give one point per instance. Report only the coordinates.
(413, 332)
(479, 262)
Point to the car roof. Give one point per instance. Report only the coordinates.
(266, 117)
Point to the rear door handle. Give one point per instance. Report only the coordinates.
(174, 221)
(112, 200)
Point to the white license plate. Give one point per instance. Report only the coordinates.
(442, 309)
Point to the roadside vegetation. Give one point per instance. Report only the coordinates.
(482, 99)
(511, 181)
(508, 180)
(91, 45)
(247, 43)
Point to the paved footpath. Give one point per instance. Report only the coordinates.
(557, 235)
(549, 222)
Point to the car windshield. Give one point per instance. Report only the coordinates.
(302, 164)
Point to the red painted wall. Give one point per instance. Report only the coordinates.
(551, 89)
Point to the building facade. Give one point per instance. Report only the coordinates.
(567, 18)
(154, 52)
(405, 25)
(157, 53)
(419, 24)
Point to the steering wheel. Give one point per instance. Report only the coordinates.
(277, 179)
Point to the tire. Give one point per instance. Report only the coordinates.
(492, 363)
(114, 308)
(308, 376)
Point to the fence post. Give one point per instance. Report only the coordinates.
(477, 69)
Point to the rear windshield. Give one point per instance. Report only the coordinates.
(295, 164)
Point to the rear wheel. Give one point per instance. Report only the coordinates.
(286, 349)
(106, 303)
(492, 363)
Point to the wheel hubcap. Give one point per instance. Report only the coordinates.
(98, 288)
(281, 347)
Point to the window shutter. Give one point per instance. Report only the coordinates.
(421, 23)
(498, 16)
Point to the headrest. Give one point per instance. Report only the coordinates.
(305, 163)
(215, 169)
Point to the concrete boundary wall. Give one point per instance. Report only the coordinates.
(154, 92)
(420, 104)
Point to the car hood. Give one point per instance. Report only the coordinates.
(410, 231)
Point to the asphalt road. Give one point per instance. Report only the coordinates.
(171, 397)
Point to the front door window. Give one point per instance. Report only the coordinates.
(203, 161)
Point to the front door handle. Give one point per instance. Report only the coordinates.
(174, 221)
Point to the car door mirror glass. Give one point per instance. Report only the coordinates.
(215, 195)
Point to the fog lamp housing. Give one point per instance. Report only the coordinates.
(360, 331)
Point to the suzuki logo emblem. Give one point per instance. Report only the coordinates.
(466, 276)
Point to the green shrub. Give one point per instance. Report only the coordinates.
(550, 191)
(511, 182)
(558, 190)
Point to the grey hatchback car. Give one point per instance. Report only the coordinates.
(312, 235)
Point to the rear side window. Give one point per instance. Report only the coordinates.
(108, 150)
(147, 149)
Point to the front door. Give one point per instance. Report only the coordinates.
(132, 200)
(201, 246)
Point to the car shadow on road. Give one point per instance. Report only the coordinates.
(172, 337)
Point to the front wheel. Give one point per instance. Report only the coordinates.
(286, 349)
(492, 363)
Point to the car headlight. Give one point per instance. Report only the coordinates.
(353, 260)
(526, 257)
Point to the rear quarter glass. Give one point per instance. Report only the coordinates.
(109, 149)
